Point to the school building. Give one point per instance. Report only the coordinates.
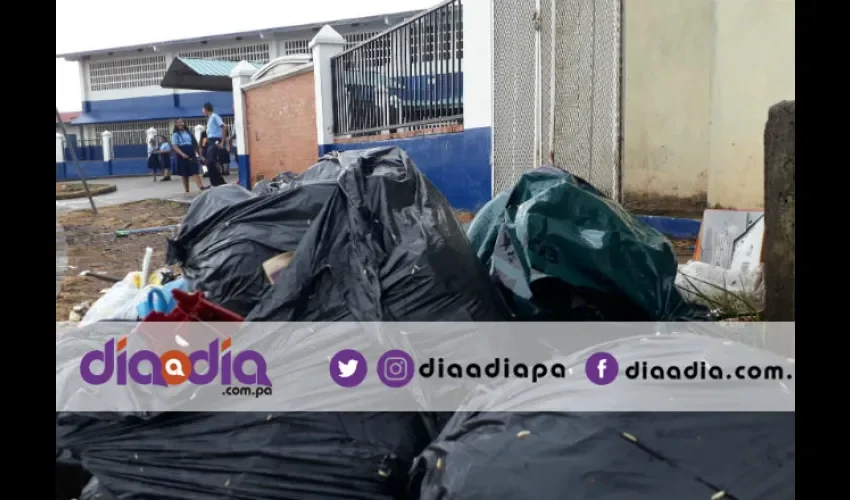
(122, 88)
(661, 102)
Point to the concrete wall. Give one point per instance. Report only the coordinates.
(699, 76)
(667, 51)
(281, 126)
(753, 69)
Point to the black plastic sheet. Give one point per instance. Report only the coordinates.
(386, 247)
(559, 250)
(250, 456)
(515, 454)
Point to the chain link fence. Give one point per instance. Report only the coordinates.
(513, 88)
(578, 82)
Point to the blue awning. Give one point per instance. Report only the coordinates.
(135, 115)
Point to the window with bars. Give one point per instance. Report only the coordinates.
(258, 53)
(191, 123)
(428, 37)
(291, 47)
(126, 73)
(132, 132)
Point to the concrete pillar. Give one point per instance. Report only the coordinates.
(241, 75)
(60, 148)
(325, 45)
(779, 210)
(149, 134)
(106, 137)
(199, 129)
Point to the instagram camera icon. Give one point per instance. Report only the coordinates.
(395, 368)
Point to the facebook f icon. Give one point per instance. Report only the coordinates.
(601, 368)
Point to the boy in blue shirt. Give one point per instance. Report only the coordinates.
(216, 130)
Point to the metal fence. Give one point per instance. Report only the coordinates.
(408, 76)
(557, 81)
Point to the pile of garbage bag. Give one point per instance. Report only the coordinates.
(364, 236)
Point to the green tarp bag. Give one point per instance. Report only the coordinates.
(560, 250)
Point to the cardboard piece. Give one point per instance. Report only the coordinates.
(274, 266)
(720, 233)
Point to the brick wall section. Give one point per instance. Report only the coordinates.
(400, 135)
(281, 126)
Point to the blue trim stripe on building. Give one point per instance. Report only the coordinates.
(161, 107)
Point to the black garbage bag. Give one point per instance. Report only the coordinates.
(516, 453)
(560, 250)
(230, 232)
(327, 169)
(273, 456)
(386, 247)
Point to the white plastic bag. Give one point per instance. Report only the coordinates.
(118, 303)
(699, 279)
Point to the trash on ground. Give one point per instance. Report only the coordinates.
(711, 285)
(365, 236)
(121, 233)
(731, 236)
(726, 272)
(101, 276)
(122, 301)
(79, 311)
(560, 250)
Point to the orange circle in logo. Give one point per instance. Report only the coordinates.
(176, 367)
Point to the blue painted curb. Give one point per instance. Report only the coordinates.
(673, 227)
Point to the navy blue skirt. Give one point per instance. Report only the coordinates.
(153, 162)
(187, 167)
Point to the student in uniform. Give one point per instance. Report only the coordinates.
(216, 131)
(165, 158)
(186, 148)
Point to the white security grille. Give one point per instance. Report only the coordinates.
(258, 53)
(132, 132)
(578, 88)
(291, 47)
(192, 122)
(126, 73)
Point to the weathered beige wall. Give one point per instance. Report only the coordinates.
(699, 76)
(753, 70)
(667, 90)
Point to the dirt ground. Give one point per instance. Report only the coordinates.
(684, 249)
(92, 246)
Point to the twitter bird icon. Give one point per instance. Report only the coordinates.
(348, 368)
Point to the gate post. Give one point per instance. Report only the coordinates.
(779, 209)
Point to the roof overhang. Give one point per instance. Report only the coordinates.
(389, 19)
(195, 74)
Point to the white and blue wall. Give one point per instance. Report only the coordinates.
(458, 163)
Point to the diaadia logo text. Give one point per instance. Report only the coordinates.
(145, 367)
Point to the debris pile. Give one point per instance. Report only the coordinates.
(364, 236)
